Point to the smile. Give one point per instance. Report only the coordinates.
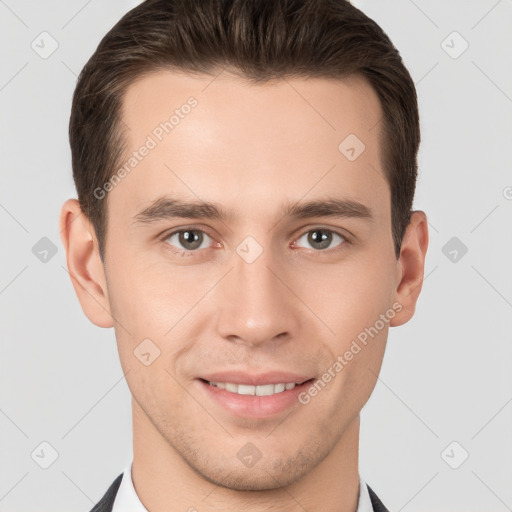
(247, 389)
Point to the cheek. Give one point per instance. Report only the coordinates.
(150, 305)
(350, 296)
(144, 297)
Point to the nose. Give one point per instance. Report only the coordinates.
(256, 302)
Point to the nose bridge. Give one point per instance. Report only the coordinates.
(256, 305)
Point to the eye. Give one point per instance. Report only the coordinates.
(321, 238)
(187, 240)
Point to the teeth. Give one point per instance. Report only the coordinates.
(246, 389)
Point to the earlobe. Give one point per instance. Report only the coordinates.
(84, 264)
(411, 267)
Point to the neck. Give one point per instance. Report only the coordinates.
(163, 479)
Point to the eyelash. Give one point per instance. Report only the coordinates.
(186, 252)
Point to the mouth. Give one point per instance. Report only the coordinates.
(257, 390)
(260, 401)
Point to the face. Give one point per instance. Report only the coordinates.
(253, 287)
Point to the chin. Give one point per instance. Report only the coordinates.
(253, 479)
(266, 474)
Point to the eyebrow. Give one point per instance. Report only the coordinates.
(167, 207)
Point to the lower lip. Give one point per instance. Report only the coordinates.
(252, 406)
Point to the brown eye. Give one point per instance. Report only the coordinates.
(188, 240)
(320, 238)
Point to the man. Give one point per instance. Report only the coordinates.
(245, 174)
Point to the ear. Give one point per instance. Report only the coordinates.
(84, 263)
(410, 267)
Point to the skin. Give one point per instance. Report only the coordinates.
(249, 148)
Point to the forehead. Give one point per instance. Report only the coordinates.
(330, 105)
(225, 137)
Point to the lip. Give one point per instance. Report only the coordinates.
(273, 377)
(253, 406)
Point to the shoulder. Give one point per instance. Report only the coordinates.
(107, 502)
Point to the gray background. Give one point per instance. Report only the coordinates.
(446, 375)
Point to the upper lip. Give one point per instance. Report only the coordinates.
(240, 377)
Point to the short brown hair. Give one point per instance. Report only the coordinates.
(262, 40)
